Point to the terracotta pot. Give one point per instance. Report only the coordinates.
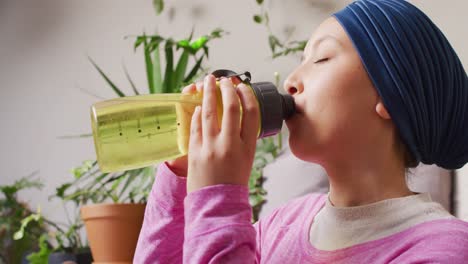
(113, 230)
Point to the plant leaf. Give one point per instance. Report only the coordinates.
(60, 191)
(138, 42)
(274, 42)
(169, 72)
(259, 2)
(205, 49)
(117, 182)
(158, 83)
(191, 34)
(217, 33)
(129, 181)
(154, 42)
(257, 19)
(181, 68)
(194, 70)
(158, 6)
(199, 43)
(149, 67)
(183, 43)
(132, 84)
(111, 84)
(76, 136)
(42, 255)
(24, 223)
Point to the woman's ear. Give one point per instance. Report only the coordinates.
(381, 110)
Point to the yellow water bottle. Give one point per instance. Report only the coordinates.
(138, 131)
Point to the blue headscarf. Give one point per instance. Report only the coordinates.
(417, 74)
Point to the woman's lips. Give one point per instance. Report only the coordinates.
(294, 116)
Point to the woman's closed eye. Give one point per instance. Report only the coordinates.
(321, 60)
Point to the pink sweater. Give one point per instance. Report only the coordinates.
(212, 225)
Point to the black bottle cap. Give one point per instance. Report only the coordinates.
(274, 107)
(289, 107)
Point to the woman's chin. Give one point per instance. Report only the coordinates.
(303, 147)
(297, 149)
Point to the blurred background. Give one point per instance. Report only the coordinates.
(47, 83)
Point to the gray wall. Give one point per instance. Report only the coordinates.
(43, 66)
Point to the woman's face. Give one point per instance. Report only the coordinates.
(335, 99)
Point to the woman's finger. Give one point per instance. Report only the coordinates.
(230, 125)
(250, 114)
(195, 130)
(209, 109)
(235, 80)
(199, 85)
(189, 88)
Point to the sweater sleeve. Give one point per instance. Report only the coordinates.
(162, 234)
(218, 226)
(440, 241)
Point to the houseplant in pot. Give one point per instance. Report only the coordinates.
(112, 228)
(57, 242)
(12, 211)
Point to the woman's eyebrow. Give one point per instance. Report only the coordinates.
(325, 37)
(320, 40)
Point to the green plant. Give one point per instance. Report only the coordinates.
(278, 48)
(268, 149)
(89, 185)
(58, 237)
(175, 74)
(62, 237)
(12, 211)
(42, 256)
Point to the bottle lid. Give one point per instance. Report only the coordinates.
(274, 107)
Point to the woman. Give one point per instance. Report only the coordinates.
(379, 90)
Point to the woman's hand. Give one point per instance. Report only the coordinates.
(180, 165)
(223, 155)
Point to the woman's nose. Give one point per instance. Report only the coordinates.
(293, 86)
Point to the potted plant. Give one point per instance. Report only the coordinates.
(12, 211)
(56, 242)
(112, 207)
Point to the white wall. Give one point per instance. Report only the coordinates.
(43, 48)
